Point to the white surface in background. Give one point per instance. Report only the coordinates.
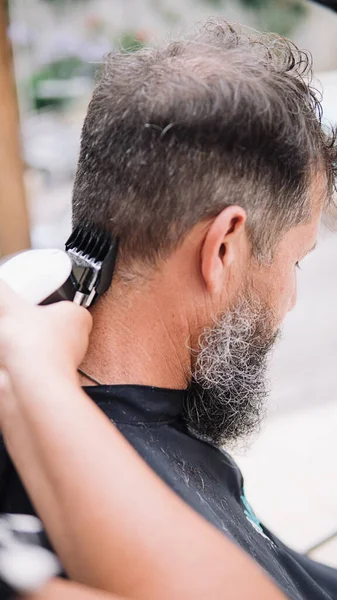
(290, 476)
(328, 82)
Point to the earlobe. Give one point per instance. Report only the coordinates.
(211, 269)
(220, 245)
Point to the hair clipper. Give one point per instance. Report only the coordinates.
(81, 273)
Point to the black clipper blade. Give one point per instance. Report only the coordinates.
(93, 254)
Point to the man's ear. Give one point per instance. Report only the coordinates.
(221, 245)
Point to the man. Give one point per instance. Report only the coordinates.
(207, 159)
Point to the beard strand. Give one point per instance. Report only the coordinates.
(228, 390)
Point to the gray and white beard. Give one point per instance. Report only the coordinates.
(228, 390)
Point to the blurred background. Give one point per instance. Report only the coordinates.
(50, 51)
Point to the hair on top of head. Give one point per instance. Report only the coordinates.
(176, 132)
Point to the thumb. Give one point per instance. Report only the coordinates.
(70, 315)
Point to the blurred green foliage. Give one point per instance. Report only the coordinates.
(215, 2)
(61, 2)
(63, 69)
(130, 41)
(279, 16)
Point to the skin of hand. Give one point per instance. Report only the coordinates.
(56, 338)
(153, 547)
(67, 590)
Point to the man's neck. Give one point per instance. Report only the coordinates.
(138, 337)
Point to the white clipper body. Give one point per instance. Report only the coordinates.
(36, 275)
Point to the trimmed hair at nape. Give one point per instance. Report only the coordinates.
(176, 132)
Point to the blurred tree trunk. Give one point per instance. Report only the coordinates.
(14, 223)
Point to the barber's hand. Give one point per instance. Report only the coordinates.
(40, 339)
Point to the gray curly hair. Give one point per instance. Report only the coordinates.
(177, 132)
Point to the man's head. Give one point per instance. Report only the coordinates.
(207, 158)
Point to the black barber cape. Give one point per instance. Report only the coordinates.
(204, 476)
